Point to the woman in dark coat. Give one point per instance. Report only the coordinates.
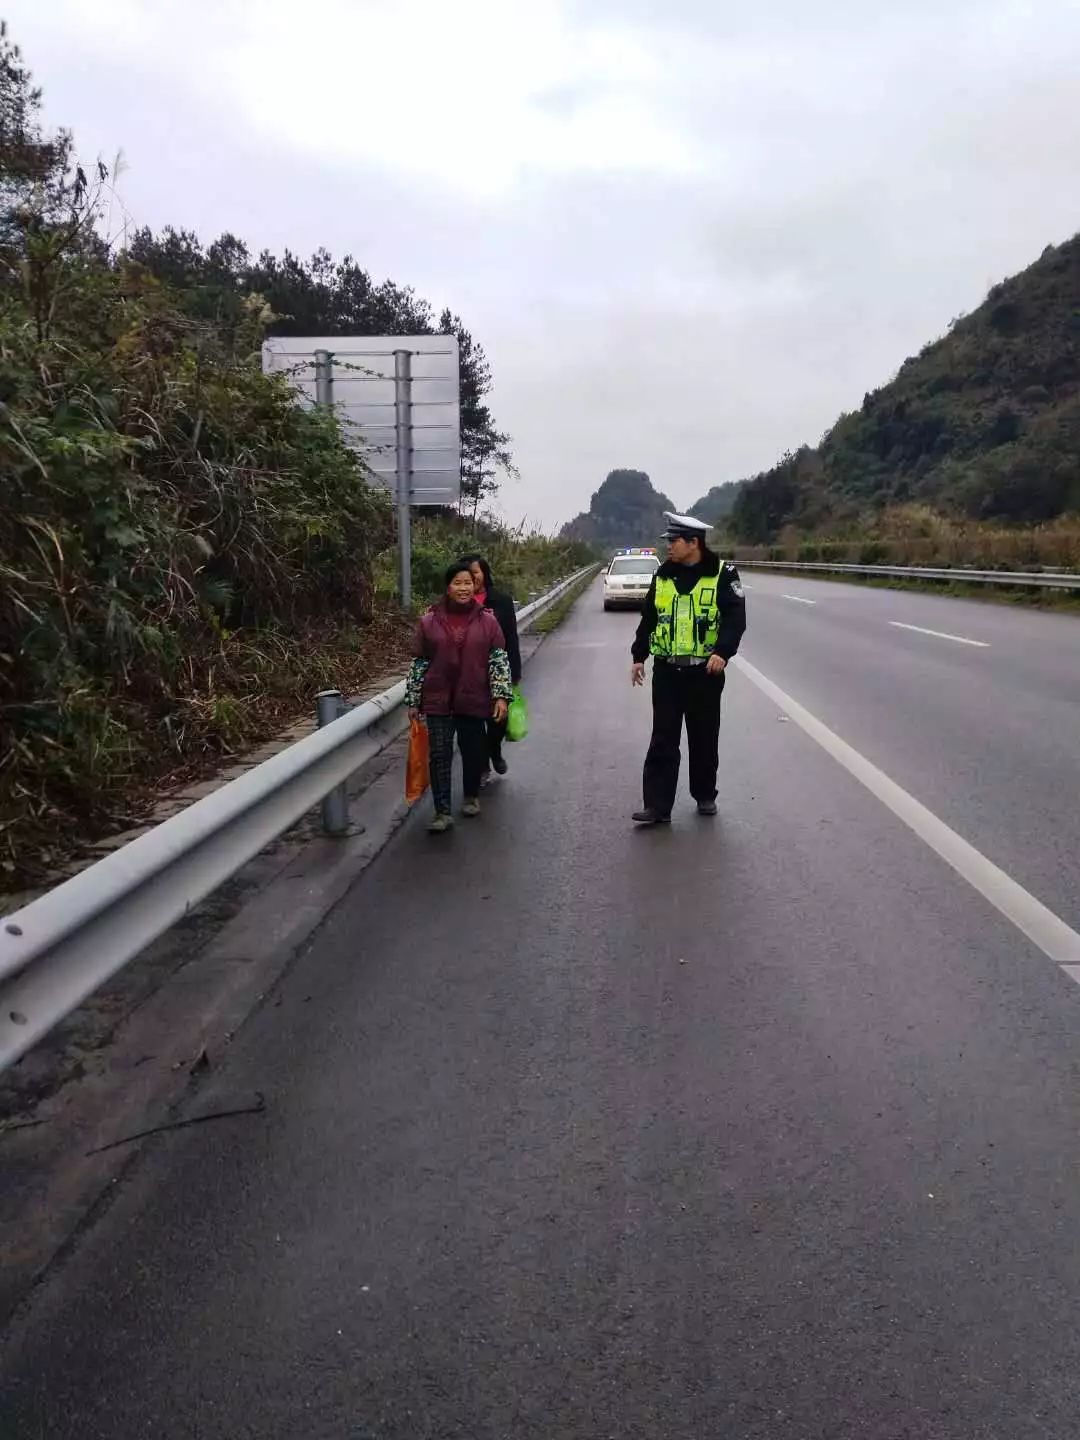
(459, 680)
(501, 605)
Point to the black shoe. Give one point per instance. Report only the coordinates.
(499, 765)
(706, 807)
(650, 817)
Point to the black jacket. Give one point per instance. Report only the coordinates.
(729, 602)
(502, 605)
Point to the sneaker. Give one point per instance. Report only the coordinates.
(706, 807)
(471, 808)
(441, 824)
(499, 765)
(485, 779)
(650, 817)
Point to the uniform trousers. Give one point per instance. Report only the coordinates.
(682, 695)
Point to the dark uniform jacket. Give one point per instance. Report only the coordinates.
(729, 602)
(502, 607)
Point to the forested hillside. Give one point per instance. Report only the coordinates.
(983, 424)
(626, 510)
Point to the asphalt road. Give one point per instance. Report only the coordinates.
(986, 734)
(761, 1127)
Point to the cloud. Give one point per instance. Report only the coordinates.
(688, 235)
(466, 97)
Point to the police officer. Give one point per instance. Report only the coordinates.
(693, 619)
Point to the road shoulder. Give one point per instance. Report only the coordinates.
(136, 1054)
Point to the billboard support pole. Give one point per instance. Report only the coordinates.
(324, 378)
(403, 469)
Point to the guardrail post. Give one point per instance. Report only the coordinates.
(330, 706)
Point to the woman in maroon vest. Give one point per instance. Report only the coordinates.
(459, 679)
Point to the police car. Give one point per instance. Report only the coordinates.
(628, 577)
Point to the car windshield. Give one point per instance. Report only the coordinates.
(633, 565)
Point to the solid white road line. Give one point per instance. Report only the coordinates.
(1053, 937)
(941, 635)
(800, 600)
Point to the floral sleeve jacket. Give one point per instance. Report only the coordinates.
(456, 673)
(498, 674)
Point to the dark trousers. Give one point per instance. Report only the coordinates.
(496, 734)
(472, 742)
(682, 694)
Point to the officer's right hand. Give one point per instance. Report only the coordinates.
(637, 673)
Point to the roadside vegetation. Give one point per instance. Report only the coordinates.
(186, 556)
(551, 619)
(524, 563)
(917, 535)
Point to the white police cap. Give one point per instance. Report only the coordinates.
(684, 527)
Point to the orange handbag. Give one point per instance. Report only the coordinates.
(416, 765)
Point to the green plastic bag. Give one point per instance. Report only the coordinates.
(517, 717)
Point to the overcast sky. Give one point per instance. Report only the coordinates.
(688, 233)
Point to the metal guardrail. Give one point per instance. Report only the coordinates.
(60, 948)
(1047, 580)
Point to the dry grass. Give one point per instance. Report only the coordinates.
(916, 535)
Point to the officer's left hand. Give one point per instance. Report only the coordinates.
(715, 665)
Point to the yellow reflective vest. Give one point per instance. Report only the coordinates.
(686, 624)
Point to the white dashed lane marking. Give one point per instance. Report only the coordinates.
(800, 599)
(941, 634)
